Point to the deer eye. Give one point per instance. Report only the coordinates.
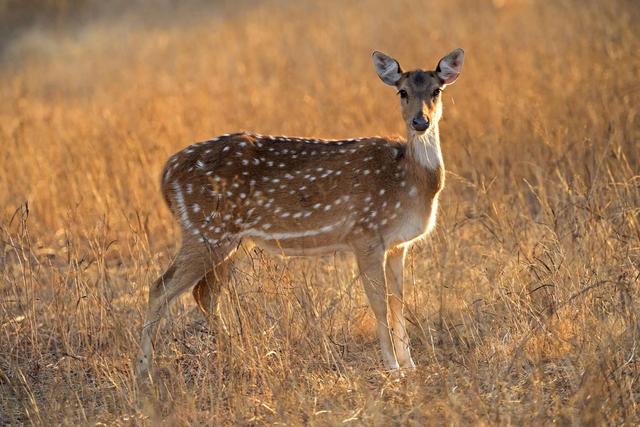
(436, 92)
(402, 93)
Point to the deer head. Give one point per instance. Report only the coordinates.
(420, 91)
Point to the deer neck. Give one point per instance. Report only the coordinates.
(424, 148)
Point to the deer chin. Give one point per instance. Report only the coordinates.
(413, 132)
(420, 129)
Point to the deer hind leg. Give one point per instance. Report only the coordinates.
(371, 265)
(189, 266)
(394, 271)
(207, 290)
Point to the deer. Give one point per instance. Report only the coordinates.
(293, 196)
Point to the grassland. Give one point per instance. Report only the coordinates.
(524, 304)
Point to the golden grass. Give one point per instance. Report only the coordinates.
(523, 304)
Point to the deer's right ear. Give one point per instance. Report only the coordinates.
(387, 68)
(449, 67)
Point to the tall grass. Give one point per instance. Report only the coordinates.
(523, 304)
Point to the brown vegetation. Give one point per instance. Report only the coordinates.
(524, 304)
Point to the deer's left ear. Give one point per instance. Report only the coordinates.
(449, 67)
(388, 69)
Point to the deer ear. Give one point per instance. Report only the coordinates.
(449, 67)
(388, 69)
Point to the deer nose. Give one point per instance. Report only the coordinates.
(420, 123)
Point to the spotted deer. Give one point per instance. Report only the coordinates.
(299, 196)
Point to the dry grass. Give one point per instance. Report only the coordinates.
(524, 304)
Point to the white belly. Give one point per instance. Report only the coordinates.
(323, 240)
(287, 249)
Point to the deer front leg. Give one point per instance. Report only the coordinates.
(394, 271)
(371, 265)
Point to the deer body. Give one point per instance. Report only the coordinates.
(273, 191)
(303, 197)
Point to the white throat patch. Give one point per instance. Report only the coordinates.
(426, 148)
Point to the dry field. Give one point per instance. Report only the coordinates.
(524, 304)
